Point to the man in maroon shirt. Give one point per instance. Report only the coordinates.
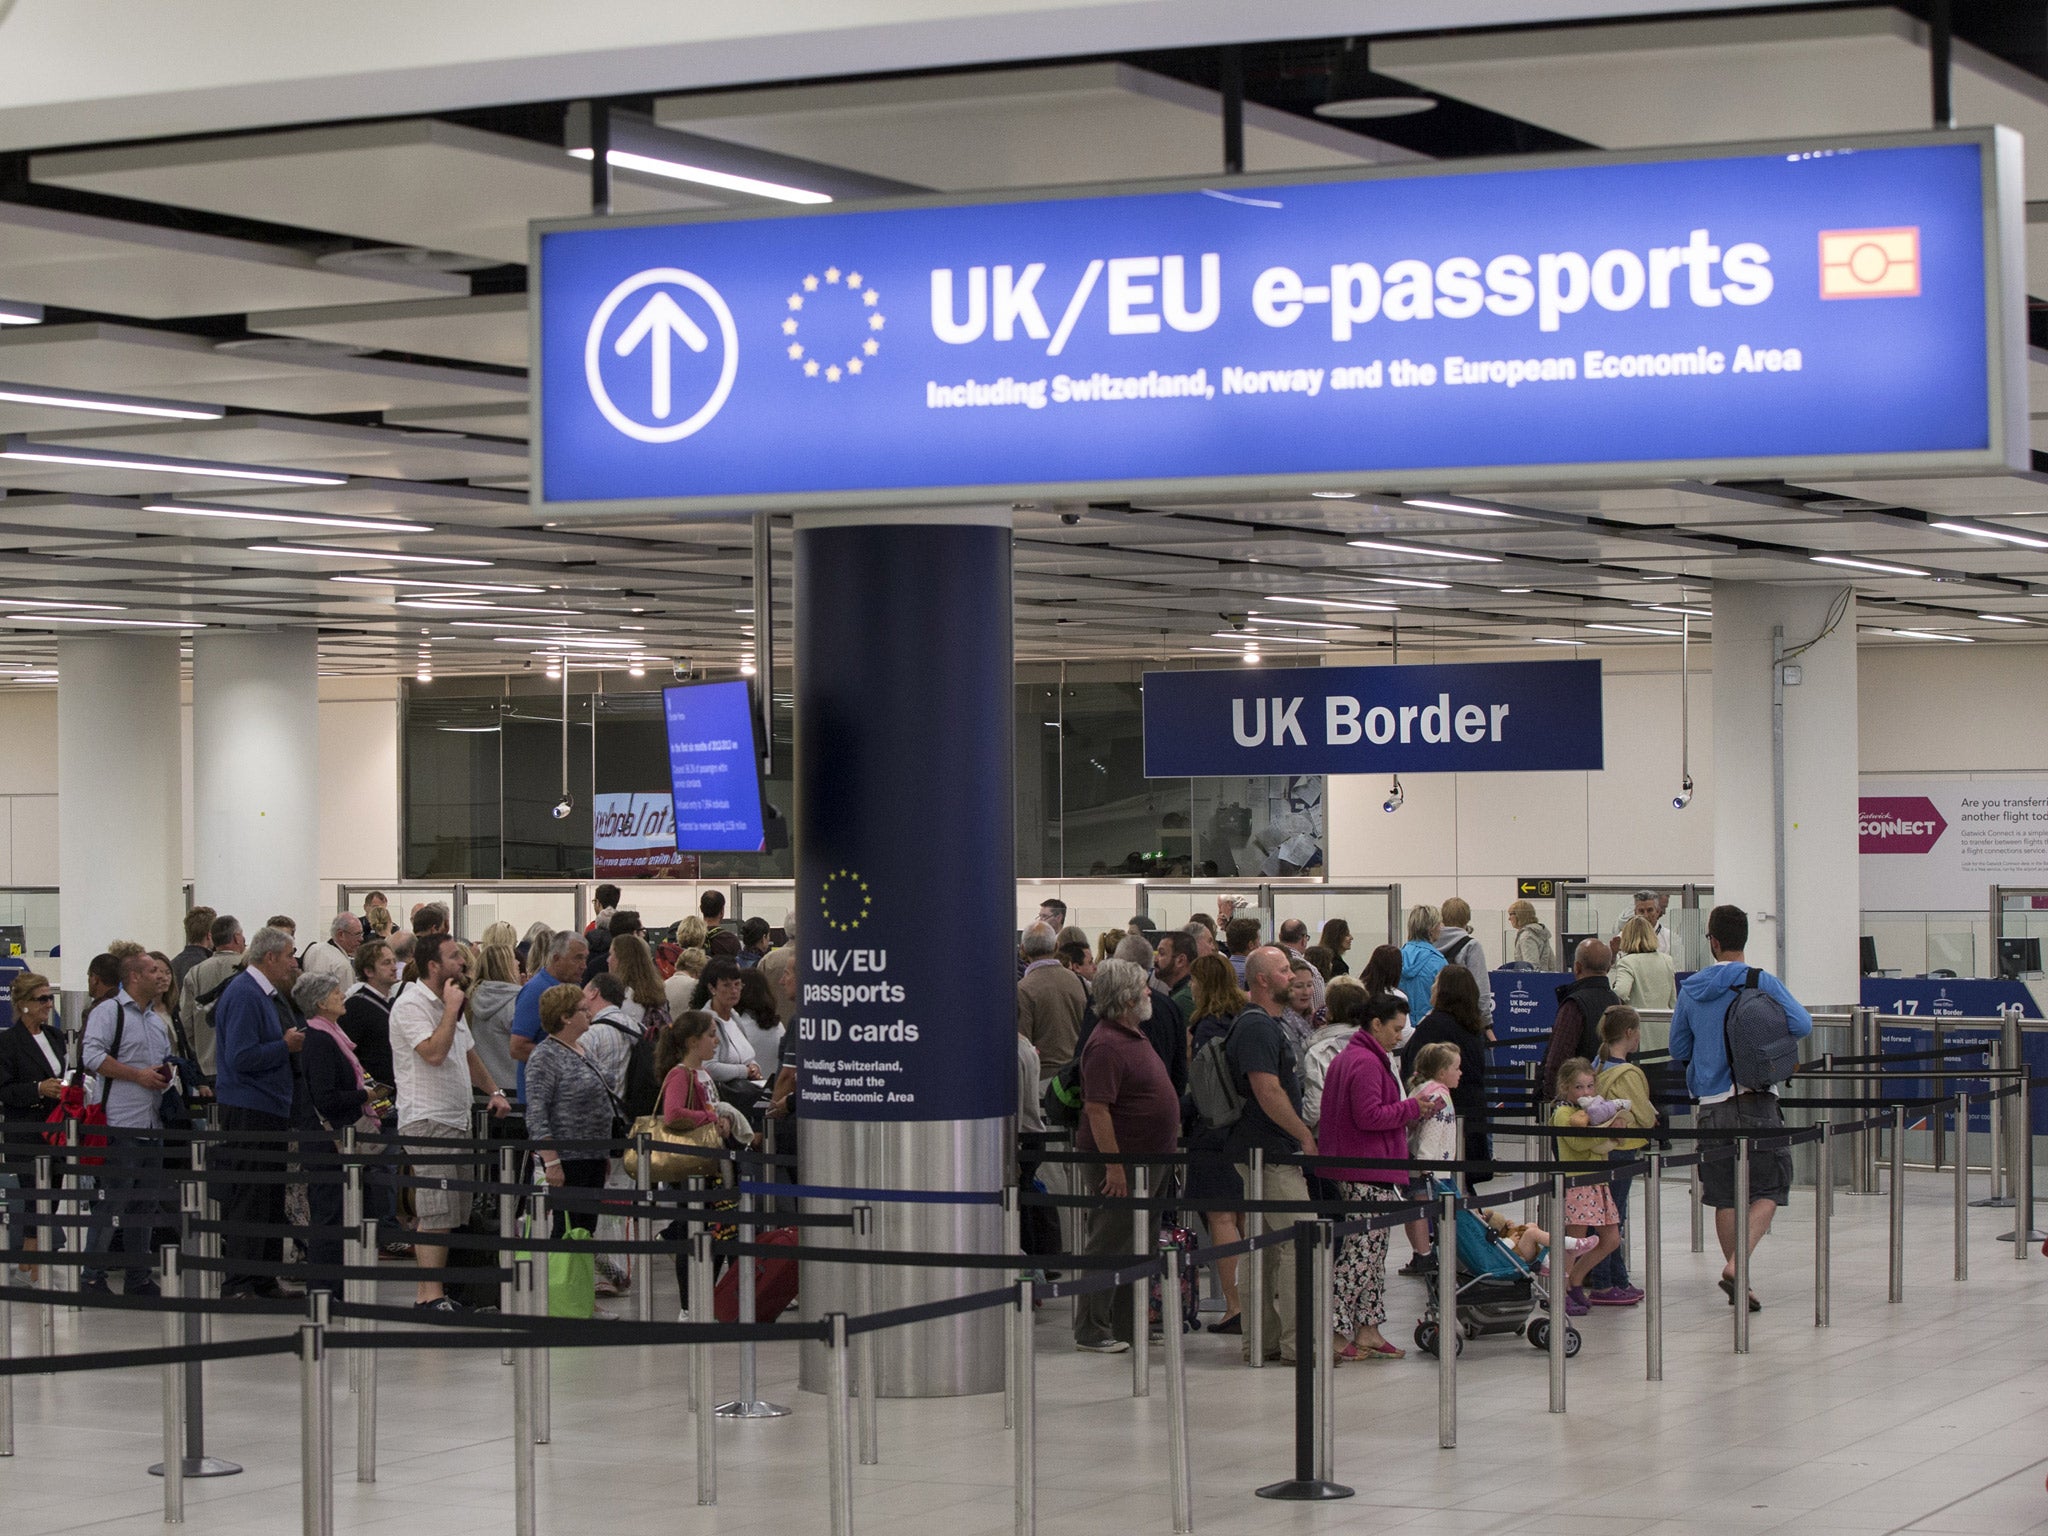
(1128, 1108)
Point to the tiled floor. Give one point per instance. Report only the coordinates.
(1931, 1416)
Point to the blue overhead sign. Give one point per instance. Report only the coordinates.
(1519, 716)
(1784, 309)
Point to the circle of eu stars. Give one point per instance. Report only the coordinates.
(819, 358)
(845, 893)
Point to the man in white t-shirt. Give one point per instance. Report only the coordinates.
(435, 1063)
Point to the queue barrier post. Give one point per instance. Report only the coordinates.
(748, 1405)
(1178, 1462)
(173, 1405)
(522, 1408)
(352, 1250)
(1653, 1270)
(703, 1309)
(1141, 1327)
(47, 1343)
(2021, 1163)
(1024, 1434)
(1560, 1289)
(316, 1443)
(1448, 1334)
(1255, 1227)
(9, 1277)
(539, 1223)
(839, 1453)
(1312, 1327)
(68, 1278)
(1738, 1296)
(1962, 1118)
(192, 1286)
(864, 1352)
(1896, 1290)
(366, 1394)
(1013, 1242)
(1325, 1248)
(1698, 1197)
(643, 1229)
(508, 1218)
(1823, 1230)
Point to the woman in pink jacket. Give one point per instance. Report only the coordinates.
(1365, 1115)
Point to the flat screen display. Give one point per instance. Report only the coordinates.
(714, 770)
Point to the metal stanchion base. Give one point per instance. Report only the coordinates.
(1992, 1203)
(2032, 1237)
(1313, 1490)
(756, 1410)
(202, 1466)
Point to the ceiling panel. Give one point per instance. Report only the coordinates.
(490, 328)
(2012, 495)
(131, 360)
(84, 262)
(1017, 128)
(510, 420)
(415, 182)
(1724, 79)
(319, 445)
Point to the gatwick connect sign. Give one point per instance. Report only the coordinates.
(1794, 310)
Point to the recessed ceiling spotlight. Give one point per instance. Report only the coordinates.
(1358, 109)
(1417, 549)
(1867, 565)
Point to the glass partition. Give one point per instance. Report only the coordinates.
(1932, 943)
(2022, 915)
(33, 909)
(1373, 913)
(1598, 911)
(520, 905)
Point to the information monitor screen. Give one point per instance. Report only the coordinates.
(714, 767)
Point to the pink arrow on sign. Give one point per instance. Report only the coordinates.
(1898, 824)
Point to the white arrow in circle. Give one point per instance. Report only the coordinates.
(658, 321)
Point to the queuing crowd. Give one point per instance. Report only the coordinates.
(1205, 1040)
(1208, 1041)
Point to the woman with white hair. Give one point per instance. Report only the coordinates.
(338, 1089)
(1129, 1109)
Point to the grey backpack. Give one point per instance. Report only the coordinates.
(1761, 1049)
(1213, 1085)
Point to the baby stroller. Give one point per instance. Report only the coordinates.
(1498, 1292)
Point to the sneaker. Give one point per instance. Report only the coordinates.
(612, 1274)
(1616, 1296)
(1576, 1303)
(90, 1285)
(142, 1288)
(1584, 1244)
(1421, 1264)
(1103, 1347)
(606, 1286)
(446, 1304)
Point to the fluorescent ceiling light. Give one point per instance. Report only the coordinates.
(470, 730)
(94, 400)
(1336, 602)
(1868, 565)
(59, 618)
(1257, 618)
(1698, 613)
(704, 176)
(1416, 549)
(1547, 640)
(50, 602)
(1634, 629)
(14, 312)
(1927, 634)
(263, 515)
(19, 447)
(336, 552)
(576, 642)
(538, 629)
(2003, 535)
(452, 588)
(454, 605)
(1453, 506)
(1215, 650)
(1225, 634)
(1334, 495)
(1516, 591)
(1411, 581)
(2003, 618)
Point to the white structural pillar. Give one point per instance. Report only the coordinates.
(1819, 916)
(256, 776)
(120, 796)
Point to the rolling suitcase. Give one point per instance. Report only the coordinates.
(774, 1283)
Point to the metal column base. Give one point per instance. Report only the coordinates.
(2032, 1236)
(201, 1466)
(1312, 1490)
(756, 1410)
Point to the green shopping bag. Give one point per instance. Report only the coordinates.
(572, 1278)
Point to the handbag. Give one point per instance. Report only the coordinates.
(71, 1105)
(669, 1166)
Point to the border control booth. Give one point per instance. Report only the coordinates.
(895, 376)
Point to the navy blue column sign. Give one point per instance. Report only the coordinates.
(905, 888)
(1517, 716)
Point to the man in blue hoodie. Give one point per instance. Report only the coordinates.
(1699, 1043)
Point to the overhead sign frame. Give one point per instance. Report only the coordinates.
(2003, 244)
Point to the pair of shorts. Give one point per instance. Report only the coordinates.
(1770, 1168)
(1590, 1205)
(439, 1210)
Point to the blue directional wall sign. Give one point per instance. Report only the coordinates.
(1790, 310)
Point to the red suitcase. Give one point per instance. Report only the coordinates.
(774, 1283)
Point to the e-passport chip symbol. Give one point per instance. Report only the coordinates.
(1870, 263)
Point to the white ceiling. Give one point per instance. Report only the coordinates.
(1016, 128)
(490, 328)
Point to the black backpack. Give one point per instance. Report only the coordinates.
(642, 1085)
(1063, 1098)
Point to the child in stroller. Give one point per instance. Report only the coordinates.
(1499, 1288)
